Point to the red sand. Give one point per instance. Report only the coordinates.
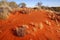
(48, 32)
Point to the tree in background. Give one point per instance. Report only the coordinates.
(22, 5)
(13, 4)
(39, 4)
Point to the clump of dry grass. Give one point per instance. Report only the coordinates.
(4, 12)
(52, 15)
(3, 16)
(21, 30)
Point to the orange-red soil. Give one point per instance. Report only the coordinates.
(45, 32)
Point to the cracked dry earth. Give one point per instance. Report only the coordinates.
(38, 26)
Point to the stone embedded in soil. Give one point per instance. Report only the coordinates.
(34, 29)
(26, 26)
(31, 23)
(58, 30)
(28, 31)
(47, 22)
(41, 25)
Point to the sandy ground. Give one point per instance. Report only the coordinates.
(40, 27)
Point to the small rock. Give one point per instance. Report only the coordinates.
(32, 24)
(47, 22)
(34, 29)
(28, 32)
(41, 26)
(58, 30)
(25, 26)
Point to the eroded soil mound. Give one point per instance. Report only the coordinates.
(38, 26)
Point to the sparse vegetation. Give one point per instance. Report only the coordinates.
(25, 23)
(56, 9)
(4, 9)
(13, 4)
(39, 4)
(21, 31)
(22, 5)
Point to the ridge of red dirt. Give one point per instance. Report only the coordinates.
(45, 28)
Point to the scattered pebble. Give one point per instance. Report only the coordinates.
(32, 24)
(47, 22)
(41, 26)
(34, 29)
(25, 26)
(58, 30)
(28, 32)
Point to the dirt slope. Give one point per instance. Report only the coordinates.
(43, 29)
